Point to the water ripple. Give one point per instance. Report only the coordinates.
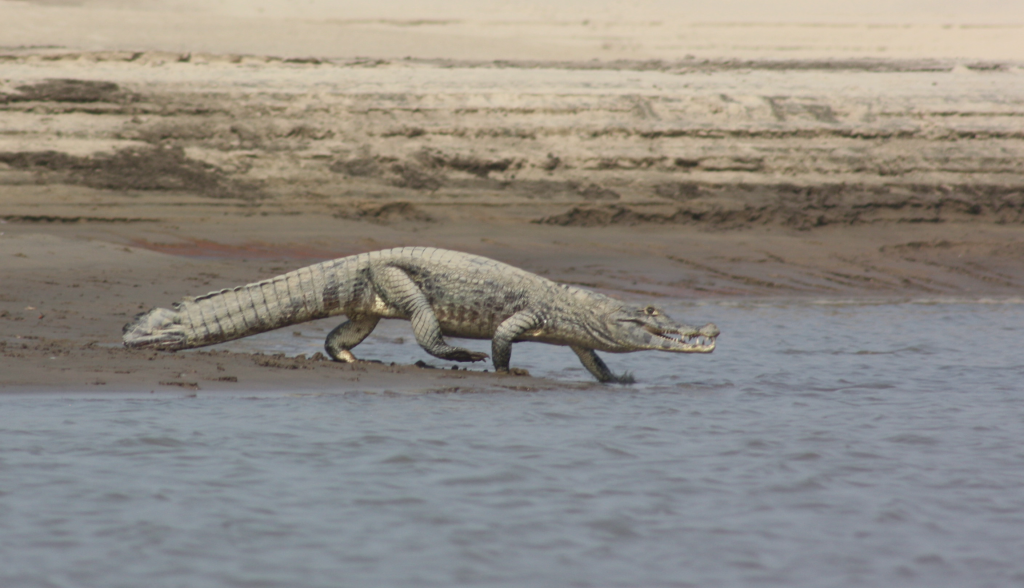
(864, 444)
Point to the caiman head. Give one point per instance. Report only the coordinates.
(647, 327)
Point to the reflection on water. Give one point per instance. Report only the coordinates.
(822, 444)
(794, 337)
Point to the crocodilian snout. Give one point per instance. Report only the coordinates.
(686, 339)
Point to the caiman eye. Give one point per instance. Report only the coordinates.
(651, 311)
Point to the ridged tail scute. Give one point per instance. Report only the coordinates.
(233, 313)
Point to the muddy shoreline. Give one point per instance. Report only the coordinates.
(132, 179)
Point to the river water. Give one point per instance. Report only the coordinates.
(822, 444)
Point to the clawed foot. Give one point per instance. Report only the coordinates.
(342, 355)
(626, 378)
(347, 357)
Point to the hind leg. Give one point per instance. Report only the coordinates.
(347, 335)
(400, 292)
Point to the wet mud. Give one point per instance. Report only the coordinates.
(157, 168)
(67, 90)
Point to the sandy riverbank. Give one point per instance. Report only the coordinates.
(133, 174)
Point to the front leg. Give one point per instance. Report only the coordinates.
(597, 367)
(398, 290)
(506, 333)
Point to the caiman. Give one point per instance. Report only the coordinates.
(443, 293)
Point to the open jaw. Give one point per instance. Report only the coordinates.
(691, 341)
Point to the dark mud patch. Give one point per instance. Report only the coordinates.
(805, 207)
(69, 90)
(161, 169)
(970, 249)
(596, 192)
(400, 174)
(919, 246)
(391, 212)
(48, 218)
(427, 170)
(615, 214)
(476, 166)
(414, 177)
